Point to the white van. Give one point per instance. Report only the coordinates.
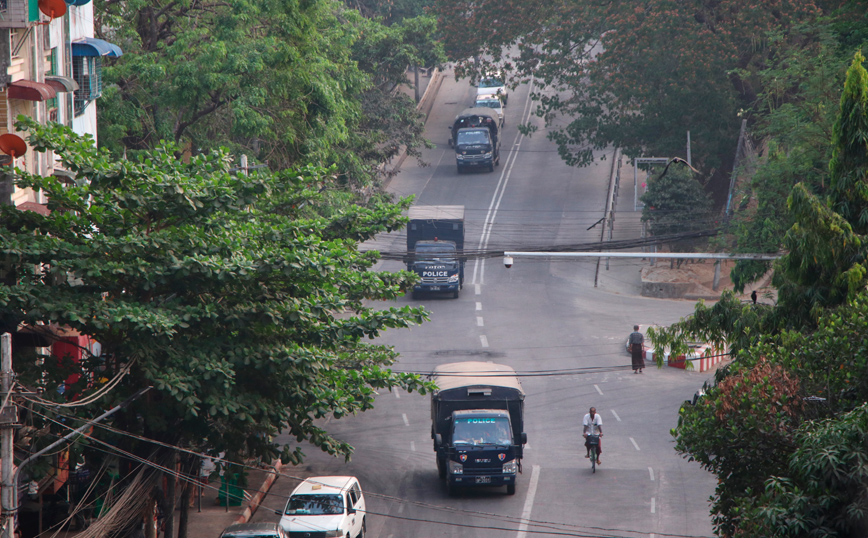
(493, 102)
(492, 84)
(329, 506)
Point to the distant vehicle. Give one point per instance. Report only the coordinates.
(475, 135)
(493, 102)
(493, 84)
(332, 506)
(254, 530)
(477, 423)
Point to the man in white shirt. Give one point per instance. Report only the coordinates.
(592, 424)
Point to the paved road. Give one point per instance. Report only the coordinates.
(542, 318)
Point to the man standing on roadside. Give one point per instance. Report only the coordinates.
(637, 350)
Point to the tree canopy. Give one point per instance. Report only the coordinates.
(287, 83)
(781, 429)
(233, 296)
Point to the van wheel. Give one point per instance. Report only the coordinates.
(414, 295)
(510, 489)
(451, 489)
(491, 167)
(460, 170)
(455, 294)
(441, 468)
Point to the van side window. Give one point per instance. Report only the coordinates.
(353, 497)
(357, 490)
(349, 505)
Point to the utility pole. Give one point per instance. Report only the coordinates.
(689, 160)
(8, 420)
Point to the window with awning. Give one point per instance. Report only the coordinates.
(29, 90)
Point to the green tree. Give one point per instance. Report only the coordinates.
(281, 81)
(232, 296)
(634, 76)
(676, 203)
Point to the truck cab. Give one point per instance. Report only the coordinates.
(438, 267)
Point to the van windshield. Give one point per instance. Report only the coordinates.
(435, 251)
(482, 430)
(473, 137)
(315, 505)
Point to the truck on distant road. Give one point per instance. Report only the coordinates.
(435, 248)
(475, 136)
(477, 424)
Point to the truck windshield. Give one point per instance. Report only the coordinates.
(435, 252)
(489, 103)
(482, 430)
(315, 505)
(490, 82)
(473, 137)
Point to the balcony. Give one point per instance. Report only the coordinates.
(18, 13)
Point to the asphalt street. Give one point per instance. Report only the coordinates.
(547, 320)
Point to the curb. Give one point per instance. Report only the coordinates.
(257, 499)
(424, 105)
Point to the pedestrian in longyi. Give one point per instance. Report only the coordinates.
(637, 350)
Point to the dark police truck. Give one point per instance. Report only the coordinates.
(476, 139)
(435, 247)
(477, 423)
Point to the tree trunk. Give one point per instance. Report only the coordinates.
(416, 83)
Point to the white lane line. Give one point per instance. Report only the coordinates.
(401, 508)
(479, 322)
(528, 502)
(653, 504)
(500, 188)
(397, 395)
(651, 472)
(478, 306)
(616, 416)
(634, 443)
(598, 390)
(478, 289)
(484, 340)
(407, 422)
(413, 446)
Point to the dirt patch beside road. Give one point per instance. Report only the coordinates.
(694, 280)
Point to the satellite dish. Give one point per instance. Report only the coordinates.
(53, 8)
(12, 145)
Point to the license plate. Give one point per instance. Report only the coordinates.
(434, 288)
(483, 480)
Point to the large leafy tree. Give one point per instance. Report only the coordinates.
(281, 81)
(809, 347)
(232, 296)
(638, 76)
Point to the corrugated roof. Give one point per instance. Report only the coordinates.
(475, 373)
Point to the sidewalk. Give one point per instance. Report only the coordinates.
(207, 519)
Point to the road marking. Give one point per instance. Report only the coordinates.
(413, 447)
(397, 394)
(598, 390)
(479, 322)
(401, 508)
(651, 472)
(479, 306)
(616, 416)
(653, 504)
(528, 502)
(499, 190)
(478, 289)
(407, 422)
(484, 340)
(634, 443)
